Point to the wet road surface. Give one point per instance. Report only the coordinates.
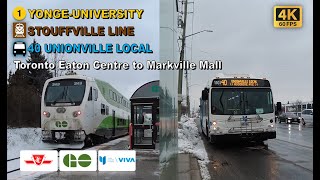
(289, 156)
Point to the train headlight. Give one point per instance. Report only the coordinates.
(76, 113)
(46, 114)
(214, 123)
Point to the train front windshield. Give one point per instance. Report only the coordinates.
(241, 101)
(67, 91)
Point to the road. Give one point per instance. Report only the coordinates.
(289, 156)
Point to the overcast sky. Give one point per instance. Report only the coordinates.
(245, 40)
(146, 31)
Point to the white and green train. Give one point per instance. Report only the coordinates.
(81, 111)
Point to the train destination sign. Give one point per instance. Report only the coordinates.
(240, 83)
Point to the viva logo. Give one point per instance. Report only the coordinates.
(103, 160)
(126, 160)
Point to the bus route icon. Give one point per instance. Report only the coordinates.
(19, 30)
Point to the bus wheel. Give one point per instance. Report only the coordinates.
(88, 141)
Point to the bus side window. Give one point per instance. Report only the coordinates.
(90, 95)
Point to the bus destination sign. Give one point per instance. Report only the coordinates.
(240, 83)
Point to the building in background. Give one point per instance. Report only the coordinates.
(298, 106)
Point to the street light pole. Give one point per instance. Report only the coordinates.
(182, 59)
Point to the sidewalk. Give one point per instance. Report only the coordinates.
(188, 167)
(184, 167)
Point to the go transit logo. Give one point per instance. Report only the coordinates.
(78, 160)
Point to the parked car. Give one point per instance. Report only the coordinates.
(289, 117)
(307, 116)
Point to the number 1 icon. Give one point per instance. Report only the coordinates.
(19, 13)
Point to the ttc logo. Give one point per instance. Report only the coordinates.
(36, 160)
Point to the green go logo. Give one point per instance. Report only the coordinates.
(70, 160)
(61, 124)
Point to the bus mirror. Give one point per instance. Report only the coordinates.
(279, 107)
(204, 95)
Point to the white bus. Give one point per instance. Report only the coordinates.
(235, 108)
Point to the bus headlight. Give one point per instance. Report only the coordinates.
(214, 123)
(270, 125)
(76, 113)
(46, 114)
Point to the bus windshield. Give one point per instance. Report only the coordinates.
(69, 91)
(241, 101)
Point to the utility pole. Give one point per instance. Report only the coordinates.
(182, 57)
(187, 92)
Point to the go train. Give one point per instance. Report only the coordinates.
(79, 111)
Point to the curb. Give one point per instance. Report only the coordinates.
(188, 167)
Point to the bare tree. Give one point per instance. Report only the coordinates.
(297, 105)
(55, 58)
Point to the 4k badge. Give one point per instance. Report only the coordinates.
(287, 16)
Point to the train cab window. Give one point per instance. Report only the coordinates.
(90, 95)
(103, 109)
(95, 94)
(107, 110)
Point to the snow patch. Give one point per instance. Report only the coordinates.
(22, 139)
(110, 143)
(189, 141)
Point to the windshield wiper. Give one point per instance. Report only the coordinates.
(70, 99)
(220, 100)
